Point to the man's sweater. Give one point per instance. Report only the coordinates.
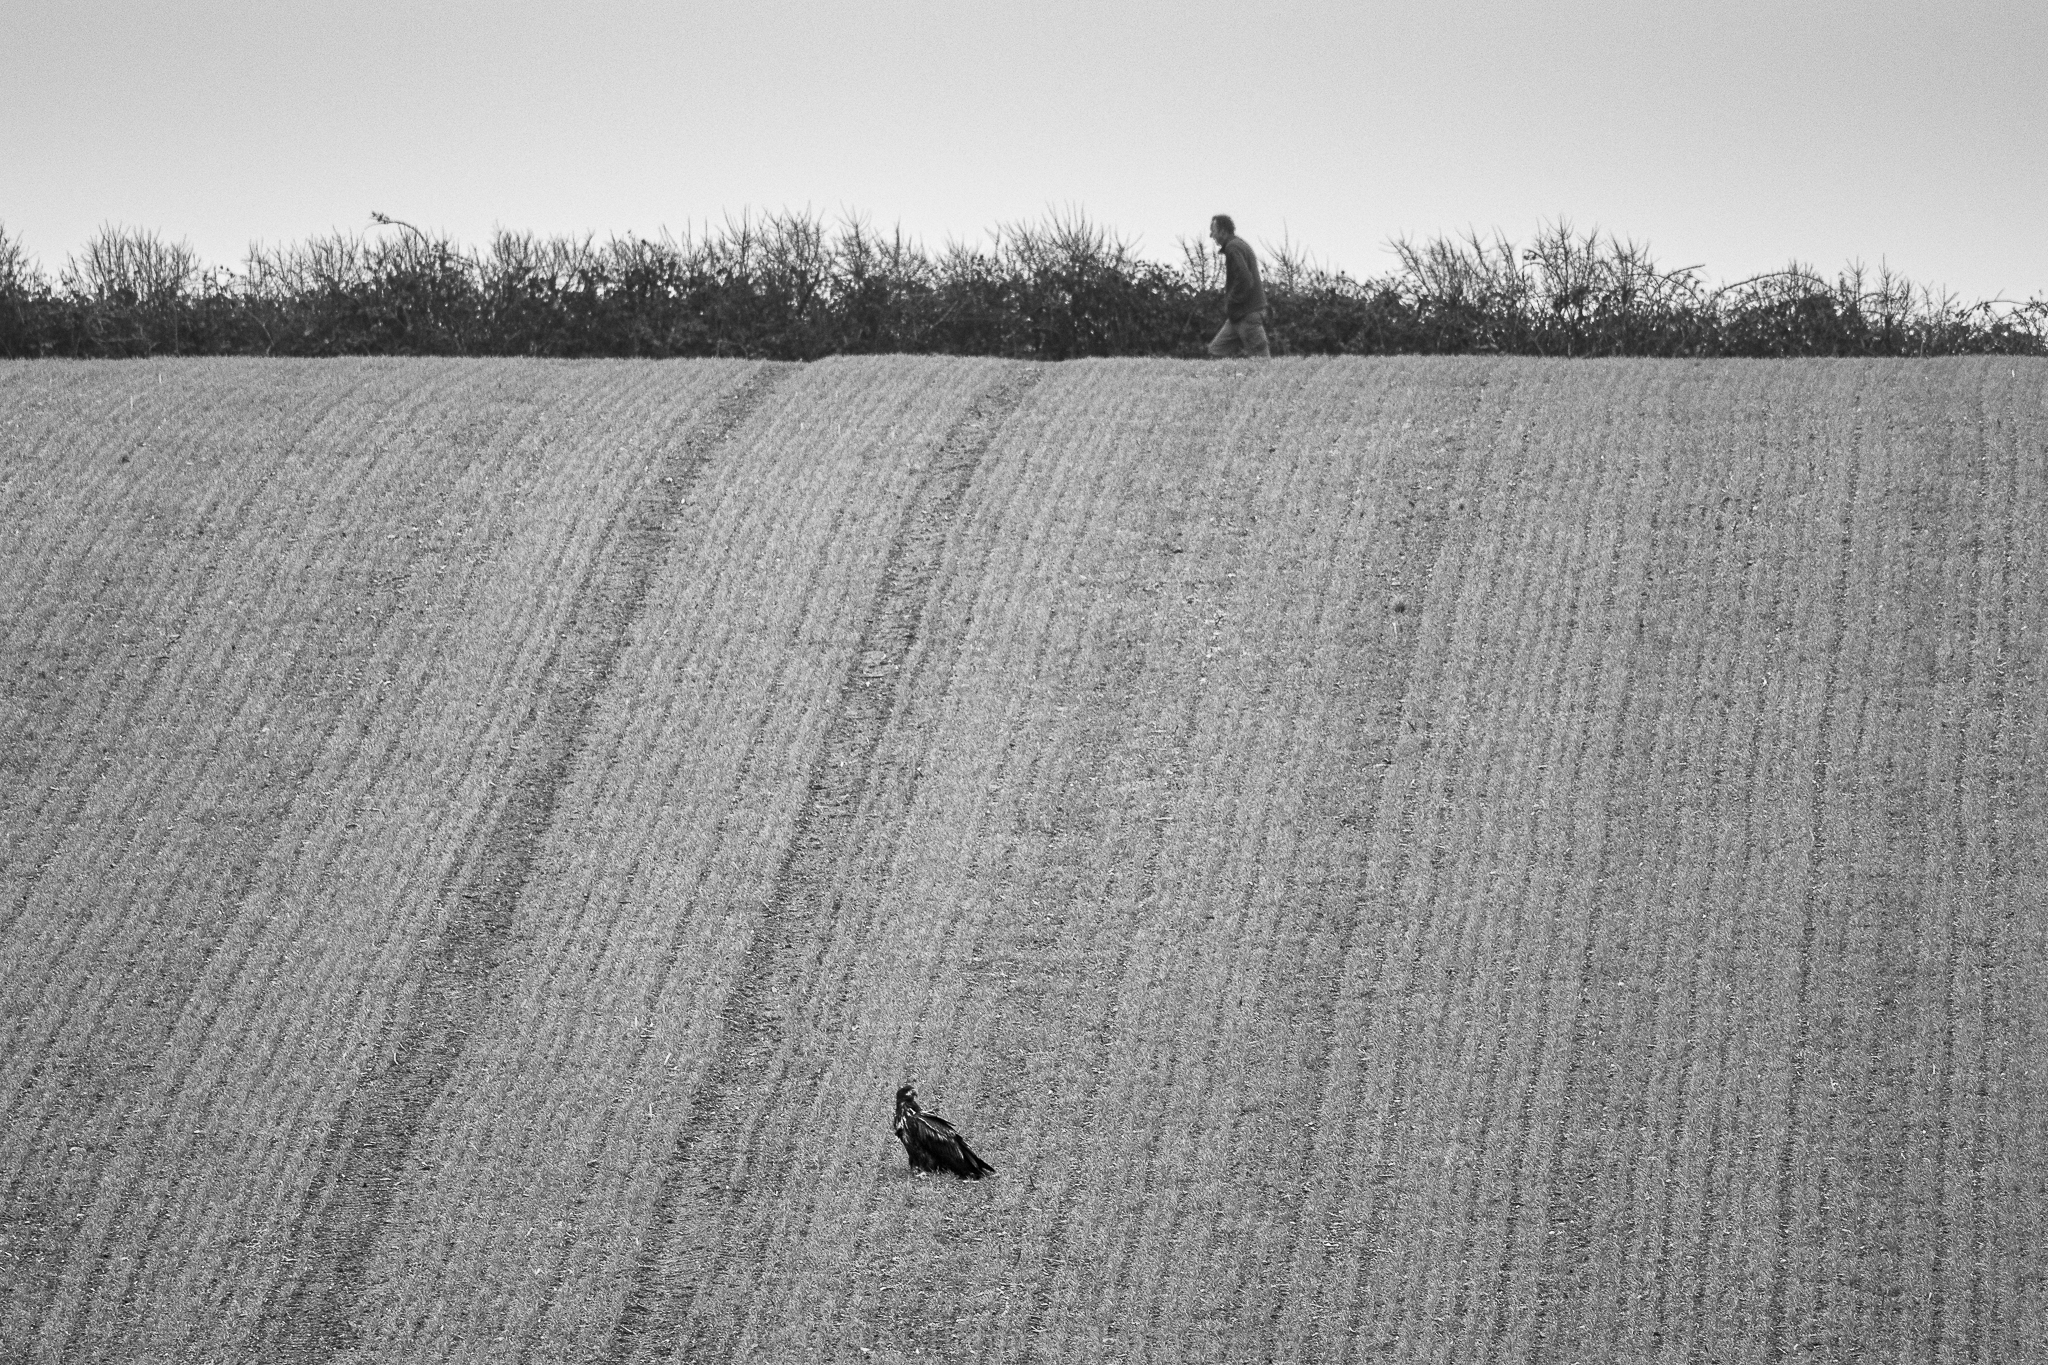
(1242, 291)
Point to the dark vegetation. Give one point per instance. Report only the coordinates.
(792, 286)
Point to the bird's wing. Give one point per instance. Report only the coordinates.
(929, 1139)
(940, 1143)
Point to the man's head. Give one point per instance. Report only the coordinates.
(1221, 229)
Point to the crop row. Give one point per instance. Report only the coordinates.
(306, 616)
(1409, 859)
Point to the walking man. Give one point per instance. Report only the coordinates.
(1244, 297)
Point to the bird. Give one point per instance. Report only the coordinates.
(933, 1143)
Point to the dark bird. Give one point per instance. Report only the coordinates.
(933, 1143)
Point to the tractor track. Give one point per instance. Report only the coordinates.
(655, 1316)
(311, 1315)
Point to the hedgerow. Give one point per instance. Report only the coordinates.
(793, 286)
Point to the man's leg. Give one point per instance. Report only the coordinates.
(1251, 332)
(1226, 341)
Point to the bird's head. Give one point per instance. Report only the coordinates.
(906, 1094)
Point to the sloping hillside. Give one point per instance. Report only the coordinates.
(1410, 860)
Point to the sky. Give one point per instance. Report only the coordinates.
(1735, 134)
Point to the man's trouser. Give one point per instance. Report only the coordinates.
(1246, 336)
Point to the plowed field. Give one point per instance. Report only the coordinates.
(1449, 860)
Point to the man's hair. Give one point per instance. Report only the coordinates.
(1222, 220)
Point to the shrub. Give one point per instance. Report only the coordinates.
(792, 286)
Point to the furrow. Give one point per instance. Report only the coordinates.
(1600, 648)
(652, 1317)
(1796, 1103)
(1967, 1025)
(1520, 689)
(2011, 1267)
(500, 939)
(116, 1025)
(372, 1136)
(1384, 1008)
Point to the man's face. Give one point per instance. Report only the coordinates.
(1217, 234)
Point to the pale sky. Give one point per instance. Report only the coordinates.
(1735, 133)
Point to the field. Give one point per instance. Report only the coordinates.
(1392, 860)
